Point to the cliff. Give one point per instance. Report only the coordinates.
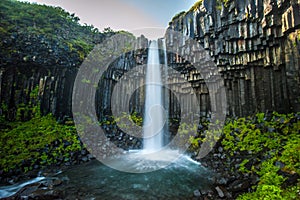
(41, 46)
(255, 45)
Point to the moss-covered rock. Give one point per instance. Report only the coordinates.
(258, 154)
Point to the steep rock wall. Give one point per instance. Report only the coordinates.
(254, 43)
(256, 46)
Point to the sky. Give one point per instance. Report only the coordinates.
(148, 17)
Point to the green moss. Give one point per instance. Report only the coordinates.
(39, 141)
(225, 2)
(178, 15)
(134, 117)
(263, 140)
(196, 6)
(270, 139)
(218, 5)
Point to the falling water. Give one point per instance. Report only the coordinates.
(166, 91)
(153, 115)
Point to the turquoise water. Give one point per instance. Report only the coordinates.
(95, 180)
(177, 181)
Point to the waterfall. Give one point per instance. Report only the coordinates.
(166, 91)
(154, 113)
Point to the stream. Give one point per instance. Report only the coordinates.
(95, 180)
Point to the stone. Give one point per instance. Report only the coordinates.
(206, 191)
(220, 149)
(243, 20)
(240, 185)
(27, 190)
(84, 159)
(83, 152)
(57, 182)
(220, 192)
(197, 193)
(65, 179)
(222, 181)
(279, 164)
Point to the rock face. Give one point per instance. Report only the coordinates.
(40, 49)
(55, 88)
(255, 45)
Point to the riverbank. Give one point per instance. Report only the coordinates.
(257, 157)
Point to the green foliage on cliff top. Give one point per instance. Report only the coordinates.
(218, 2)
(178, 15)
(196, 5)
(51, 26)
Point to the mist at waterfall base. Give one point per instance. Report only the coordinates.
(154, 172)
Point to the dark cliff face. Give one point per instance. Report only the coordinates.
(255, 45)
(41, 46)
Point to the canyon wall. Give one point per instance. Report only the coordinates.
(255, 45)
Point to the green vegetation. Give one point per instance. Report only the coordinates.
(270, 147)
(225, 2)
(277, 137)
(178, 15)
(133, 117)
(264, 141)
(40, 141)
(218, 5)
(196, 6)
(31, 31)
(23, 25)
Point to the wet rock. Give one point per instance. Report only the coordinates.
(85, 159)
(220, 192)
(65, 179)
(240, 185)
(47, 183)
(220, 149)
(279, 164)
(83, 152)
(221, 181)
(197, 193)
(25, 192)
(57, 182)
(46, 194)
(291, 178)
(206, 192)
